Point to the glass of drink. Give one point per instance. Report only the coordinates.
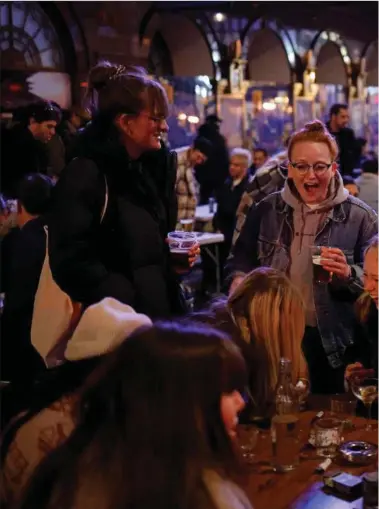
(285, 431)
(328, 432)
(320, 275)
(365, 389)
(180, 243)
(302, 389)
(343, 406)
(187, 225)
(247, 436)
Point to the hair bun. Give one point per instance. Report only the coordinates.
(105, 71)
(316, 126)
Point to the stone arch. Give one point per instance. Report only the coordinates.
(329, 45)
(330, 68)
(189, 49)
(267, 58)
(370, 53)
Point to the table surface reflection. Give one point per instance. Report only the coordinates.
(302, 488)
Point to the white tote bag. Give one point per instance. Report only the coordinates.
(55, 315)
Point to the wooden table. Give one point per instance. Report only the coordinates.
(301, 488)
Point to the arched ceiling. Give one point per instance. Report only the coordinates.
(267, 59)
(372, 65)
(330, 67)
(190, 53)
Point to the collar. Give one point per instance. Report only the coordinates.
(336, 213)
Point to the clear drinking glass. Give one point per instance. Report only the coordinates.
(328, 432)
(247, 436)
(320, 275)
(302, 389)
(344, 406)
(180, 243)
(365, 389)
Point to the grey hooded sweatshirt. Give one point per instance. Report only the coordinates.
(306, 223)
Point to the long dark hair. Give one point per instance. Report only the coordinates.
(149, 424)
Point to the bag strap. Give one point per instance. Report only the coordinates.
(105, 206)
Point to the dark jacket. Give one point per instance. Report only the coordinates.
(126, 256)
(212, 174)
(348, 149)
(266, 239)
(228, 199)
(19, 360)
(21, 154)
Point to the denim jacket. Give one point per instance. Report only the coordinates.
(266, 238)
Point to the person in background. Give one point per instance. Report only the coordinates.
(363, 355)
(349, 152)
(213, 173)
(229, 197)
(368, 183)
(122, 172)
(269, 178)
(313, 209)
(187, 187)
(169, 399)
(350, 185)
(264, 315)
(56, 152)
(24, 145)
(44, 415)
(260, 156)
(75, 119)
(25, 257)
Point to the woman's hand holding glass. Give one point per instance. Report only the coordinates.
(334, 260)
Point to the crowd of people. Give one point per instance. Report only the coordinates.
(141, 405)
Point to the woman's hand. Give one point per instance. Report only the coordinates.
(334, 260)
(351, 369)
(357, 370)
(193, 254)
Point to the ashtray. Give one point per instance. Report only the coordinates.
(359, 452)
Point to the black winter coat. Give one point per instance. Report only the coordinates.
(126, 256)
(21, 154)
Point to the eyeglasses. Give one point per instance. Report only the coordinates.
(156, 119)
(318, 168)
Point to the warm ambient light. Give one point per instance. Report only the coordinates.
(192, 119)
(268, 106)
(219, 17)
(182, 116)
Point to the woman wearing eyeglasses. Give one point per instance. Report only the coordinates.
(313, 209)
(115, 202)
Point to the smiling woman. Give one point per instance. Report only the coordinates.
(313, 209)
(312, 153)
(122, 162)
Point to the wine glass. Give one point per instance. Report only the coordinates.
(302, 389)
(365, 389)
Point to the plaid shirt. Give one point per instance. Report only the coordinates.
(268, 179)
(187, 187)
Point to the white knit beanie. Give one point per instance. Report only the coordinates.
(102, 328)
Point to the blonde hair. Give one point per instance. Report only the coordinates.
(242, 153)
(269, 313)
(364, 302)
(317, 132)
